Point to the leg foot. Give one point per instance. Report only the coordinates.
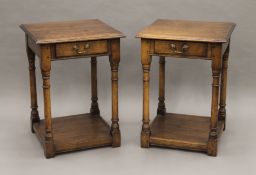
(34, 118)
(116, 136)
(212, 147)
(49, 150)
(145, 139)
(222, 116)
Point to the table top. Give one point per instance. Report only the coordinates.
(188, 30)
(68, 31)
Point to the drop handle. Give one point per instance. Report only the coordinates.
(77, 50)
(175, 50)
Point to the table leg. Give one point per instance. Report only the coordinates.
(222, 105)
(161, 110)
(216, 67)
(94, 105)
(146, 61)
(34, 117)
(45, 69)
(114, 63)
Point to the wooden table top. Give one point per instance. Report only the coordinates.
(68, 31)
(188, 30)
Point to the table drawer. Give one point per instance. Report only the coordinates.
(81, 48)
(181, 48)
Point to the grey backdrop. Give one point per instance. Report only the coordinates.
(188, 89)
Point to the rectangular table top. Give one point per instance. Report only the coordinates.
(185, 30)
(68, 31)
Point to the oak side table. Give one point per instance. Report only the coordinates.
(55, 41)
(193, 40)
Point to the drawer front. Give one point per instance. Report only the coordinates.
(81, 48)
(181, 48)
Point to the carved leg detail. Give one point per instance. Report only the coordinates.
(45, 69)
(216, 66)
(212, 144)
(94, 105)
(145, 133)
(222, 105)
(114, 63)
(161, 110)
(34, 117)
(146, 61)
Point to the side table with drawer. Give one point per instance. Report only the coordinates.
(68, 40)
(194, 40)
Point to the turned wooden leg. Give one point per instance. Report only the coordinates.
(114, 63)
(222, 104)
(94, 105)
(216, 68)
(161, 110)
(45, 69)
(146, 61)
(34, 117)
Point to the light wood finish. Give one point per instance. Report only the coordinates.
(69, 31)
(81, 48)
(184, 30)
(69, 40)
(72, 133)
(188, 39)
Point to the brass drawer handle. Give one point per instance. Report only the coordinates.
(175, 50)
(77, 50)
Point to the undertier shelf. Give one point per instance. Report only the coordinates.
(76, 132)
(181, 131)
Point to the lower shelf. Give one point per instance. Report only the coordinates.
(76, 132)
(181, 131)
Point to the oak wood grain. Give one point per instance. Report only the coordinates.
(83, 48)
(68, 31)
(187, 39)
(70, 40)
(76, 132)
(193, 49)
(180, 131)
(188, 30)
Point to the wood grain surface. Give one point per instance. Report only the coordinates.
(188, 30)
(68, 31)
(180, 131)
(76, 132)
